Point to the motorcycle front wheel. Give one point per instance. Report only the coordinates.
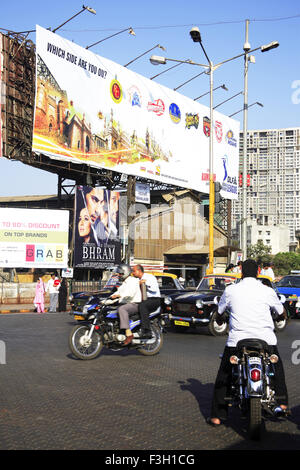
(153, 348)
(82, 346)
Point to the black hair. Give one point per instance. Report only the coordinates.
(249, 268)
(140, 267)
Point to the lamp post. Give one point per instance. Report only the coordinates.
(228, 99)
(130, 31)
(91, 10)
(216, 88)
(144, 53)
(247, 50)
(195, 34)
(249, 106)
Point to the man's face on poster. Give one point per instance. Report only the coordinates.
(95, 203)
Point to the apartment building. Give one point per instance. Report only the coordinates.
(273, 163)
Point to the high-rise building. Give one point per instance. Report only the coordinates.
(273, 182)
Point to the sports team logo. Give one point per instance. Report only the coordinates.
(219, 131)
(135, 96)
(206, 126)
(175, 113)
(191, 120)
(157, 107)
(116, 91)
(230, 138)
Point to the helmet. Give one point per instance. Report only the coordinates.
(124, 271)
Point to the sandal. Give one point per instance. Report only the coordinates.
(215, 425)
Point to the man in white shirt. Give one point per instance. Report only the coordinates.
(248, 303)
(268, 271)
(152, 300)
(52, 287)
(129, 295)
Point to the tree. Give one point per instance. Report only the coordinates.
(284, 263)
(260, 252)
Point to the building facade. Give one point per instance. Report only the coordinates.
(273, 166)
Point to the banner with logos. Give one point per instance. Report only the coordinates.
(33, 238)
(91, 110)
(142, 193)
(96, 228)
(1, 94)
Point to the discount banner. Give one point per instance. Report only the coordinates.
(90, 109)
(33, 238)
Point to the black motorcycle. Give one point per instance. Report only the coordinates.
(252, 384)
(98, 326)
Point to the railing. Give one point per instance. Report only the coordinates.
(85, 286)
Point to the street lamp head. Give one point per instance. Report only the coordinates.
(90, 9)
(260, 104)
(224, 87)
(161, 47)
(131, 32)
(268, 47)
(195, 34)
(247, 47)
(158, 60)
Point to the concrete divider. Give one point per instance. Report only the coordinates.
(18, 293)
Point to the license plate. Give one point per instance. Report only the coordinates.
(254, 360)
(181, 323)
(79, 317)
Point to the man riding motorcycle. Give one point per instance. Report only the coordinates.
(249, 303)
(129, 295)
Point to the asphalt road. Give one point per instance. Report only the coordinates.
(123, 400)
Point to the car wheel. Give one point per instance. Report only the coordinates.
(214, 328)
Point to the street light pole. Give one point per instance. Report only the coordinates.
(245, 126)
(211, 177)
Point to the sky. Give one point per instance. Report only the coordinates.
(274, 79)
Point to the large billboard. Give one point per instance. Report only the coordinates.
(33, 238)
(92, 110)
(96, 229)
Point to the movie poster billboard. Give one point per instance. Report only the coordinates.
(33, 238)
(1, 95)
(91, 110)
(96, 229)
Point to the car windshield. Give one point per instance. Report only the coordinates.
(215, 282)
(166, 282)
(289, 281)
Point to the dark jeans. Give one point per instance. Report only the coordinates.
(219, 408)
(145, 308)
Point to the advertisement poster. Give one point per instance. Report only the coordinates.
(89, 109)
(1, 95)
(33, 238)
(142, 193)
(96, 230)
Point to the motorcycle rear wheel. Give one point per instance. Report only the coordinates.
(255, 419)
(153, 348)
(81, 346)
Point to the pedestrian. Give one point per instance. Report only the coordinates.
(62, 296)
(268, 271)
(39, 299)
(52, 287)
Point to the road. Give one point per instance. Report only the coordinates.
(123, 400)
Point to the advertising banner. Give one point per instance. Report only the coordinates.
(92, 110)
(142, 193)
(96, 228)
(1, 96)
(33, 238)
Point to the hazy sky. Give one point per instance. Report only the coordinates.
(274, 79)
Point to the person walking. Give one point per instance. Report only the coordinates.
(62, 296)
(52, 287)
(39, 299)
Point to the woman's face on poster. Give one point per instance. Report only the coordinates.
(84, 223)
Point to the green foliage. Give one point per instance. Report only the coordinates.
(260, 252)
(285, 262)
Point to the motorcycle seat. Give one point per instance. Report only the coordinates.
(252, 344)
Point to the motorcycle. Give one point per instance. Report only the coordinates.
(252, 384)
(98, 326)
